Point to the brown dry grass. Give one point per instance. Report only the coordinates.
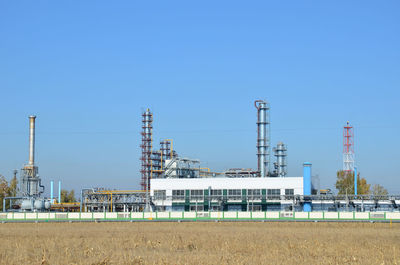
(200, 243)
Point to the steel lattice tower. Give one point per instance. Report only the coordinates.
(146, 146)
(348, 148)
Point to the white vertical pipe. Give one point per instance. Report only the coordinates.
(51, 190)
(355, 181)
(32, 140)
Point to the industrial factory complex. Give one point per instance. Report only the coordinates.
(172, 185)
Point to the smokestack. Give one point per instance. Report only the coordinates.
(32, 140)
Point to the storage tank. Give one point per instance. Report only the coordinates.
(39, 204)
(47, 205)
(27, 204)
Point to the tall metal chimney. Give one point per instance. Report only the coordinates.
(262, 137)
(30, 181)
(31, 140)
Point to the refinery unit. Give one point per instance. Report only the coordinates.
(30, 189)
(181, 184)
(29, 193)
(172, 183)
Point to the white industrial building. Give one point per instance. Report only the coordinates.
(224, 193)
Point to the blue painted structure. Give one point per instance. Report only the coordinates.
(307, 185)
(51, 190)
(355, 181)
(59, 191)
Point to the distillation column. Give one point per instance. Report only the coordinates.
(280, 154)
(262, 137)
(146, 146)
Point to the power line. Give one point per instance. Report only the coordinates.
(206, 130)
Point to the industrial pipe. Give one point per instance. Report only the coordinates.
(59, 191)
(51, 190)
(32, 140)
(10, 198)
(355, 181)
(41, 186)
(307, 185)
(119, 191)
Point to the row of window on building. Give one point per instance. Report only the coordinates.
(200, 208)
(180, 194)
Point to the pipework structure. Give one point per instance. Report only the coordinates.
(166, 148)
(182, 184)
(30, 181)
(263, 137)
(160, 158)
(348, 148)
(101, 200)
(153, 161)
(30, 186)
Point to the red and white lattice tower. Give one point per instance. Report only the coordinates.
(146, 146)
(348, 148)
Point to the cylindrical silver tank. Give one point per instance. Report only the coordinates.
(27, 205)
(47, 205)
(39, 204)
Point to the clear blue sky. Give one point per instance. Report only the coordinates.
(88, 68)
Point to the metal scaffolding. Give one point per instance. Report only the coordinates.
(146, 146)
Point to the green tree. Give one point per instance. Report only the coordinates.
(12, 189)
(68, 196)
(345, 183)
(71, 196)
(4, 189)
(378, 190)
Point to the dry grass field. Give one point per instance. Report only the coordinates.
(200, 243)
